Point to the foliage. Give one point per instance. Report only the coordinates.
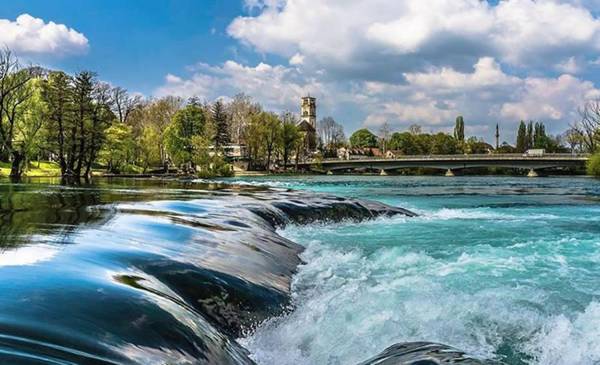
(363, 138)
(187, 123)
(118, 147)
(290, 139)
(220, 123)
(459, 129)
(593, 165)
(209, 163)
(331, 135)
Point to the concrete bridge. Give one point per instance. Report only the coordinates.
(451, 163)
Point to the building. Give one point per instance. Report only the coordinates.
(308, 123)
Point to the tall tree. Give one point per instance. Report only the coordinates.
(529, 139)
(290, 137)
(522, 143)
(15, 92)
(331, 135)
(57, 92)
(219, 120)
(459, 129)
(187, 123)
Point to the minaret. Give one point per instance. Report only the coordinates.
(308, 108)
(497, 136)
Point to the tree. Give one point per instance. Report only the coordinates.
(384, 135)
(593, 165)
(219, 120)
(187, 123)
(15, 92)
(331, 135)
(57, 93)
(405, 142)
(588, 125)
(522, 138)
(119, 145)
(272, 135)
(476, 146)
(443, 144)
(240, 111)
(363, 138)
(459, 129)
(529, 139)
(290, 137)
(574, 139)
(158, 115)
(124, 103)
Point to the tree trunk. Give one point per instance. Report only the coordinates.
(16, 168)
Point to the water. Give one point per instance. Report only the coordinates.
(504, 268)
(166, 272)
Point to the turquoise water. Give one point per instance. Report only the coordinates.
(504, 268)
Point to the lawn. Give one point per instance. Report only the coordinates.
(42, 168)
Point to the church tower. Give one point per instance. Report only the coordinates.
(308, 109)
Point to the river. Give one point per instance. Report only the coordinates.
(155, 272)
(503, 267)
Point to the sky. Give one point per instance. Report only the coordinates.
(368, 62)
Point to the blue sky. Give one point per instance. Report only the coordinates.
(368, 62)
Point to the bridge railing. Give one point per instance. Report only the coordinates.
(486, 156)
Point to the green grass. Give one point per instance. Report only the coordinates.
(45, 168)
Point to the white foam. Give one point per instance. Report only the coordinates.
(564, 341)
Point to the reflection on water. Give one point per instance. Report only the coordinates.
(147, 272)
(134, 272)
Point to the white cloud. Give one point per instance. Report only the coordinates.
(357, 36)
(277, 87)
(549, 99)
(29, 35)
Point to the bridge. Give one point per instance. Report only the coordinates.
(451, 163)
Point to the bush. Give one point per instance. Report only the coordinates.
(593, 165)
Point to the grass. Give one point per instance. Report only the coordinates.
(45, 168)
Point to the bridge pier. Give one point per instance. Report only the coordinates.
(382, 172)
(532, 173)
(449, 173)
(329, 172)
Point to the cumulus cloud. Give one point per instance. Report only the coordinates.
(414, 61)
(360, 35)
(277, 87)
(486, 95)
(29, 35)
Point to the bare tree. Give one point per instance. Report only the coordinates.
(331, 134)
(588, 126)
(240, 111)
(124, 103)
(384, 134)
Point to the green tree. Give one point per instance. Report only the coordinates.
(187, 123)
(220, 123)
(593, 165)
(290, 138)
(522, 138)
(529, 139)
(459, 129)
(443, 144)
(119, 145)
(406, 143)
(363, 138)
(271, 135)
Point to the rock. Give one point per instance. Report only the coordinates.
(424, 353)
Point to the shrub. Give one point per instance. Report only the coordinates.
(593, 165)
